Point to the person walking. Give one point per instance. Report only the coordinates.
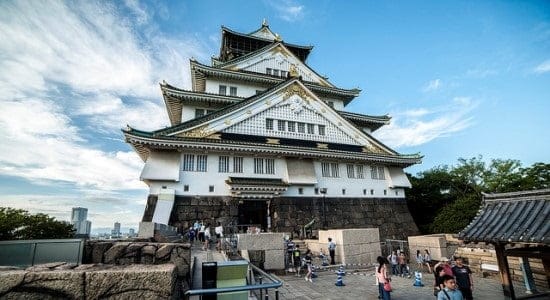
(419, 260)
(464, 279)
(382, 277)
(392, 258)
(427, 260)
(331, 250)
(201, 232)
(403, 269)
(296, 258)
(207, 236)
(307, 260)
(219, 236)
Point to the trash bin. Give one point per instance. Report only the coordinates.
(209, 275)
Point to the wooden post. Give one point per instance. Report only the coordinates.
(504, 270)
(546, 264)
(528, 279)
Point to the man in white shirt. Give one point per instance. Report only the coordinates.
(219, 235)
(331, 250)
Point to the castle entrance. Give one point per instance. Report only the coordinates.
(253, 213)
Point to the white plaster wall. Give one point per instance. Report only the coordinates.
(243, 90)
(199, 182)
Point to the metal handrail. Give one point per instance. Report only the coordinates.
(277, 283)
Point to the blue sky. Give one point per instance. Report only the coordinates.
(458, 78)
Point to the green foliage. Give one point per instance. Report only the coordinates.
(18, 224)
(446, 199)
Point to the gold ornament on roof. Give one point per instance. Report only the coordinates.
(295, 89)
(370, 148)
(199, 132)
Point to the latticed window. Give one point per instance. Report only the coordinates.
(202, 162)
(233, 91)
(269, 166)
(373, 172)
(223, 164)
(269, 124)
(237, 164)
(321, 129)
(188, 162)
(360, 173)
(334, 170)
(258, 165)
(199, 112)
(351, 171)
(222, 90)
(291, 126)
(284, 74)
(275, 72)
(381, 174)
(310, 128)
(325, 169)
(301, 127)
(281, 125)
(268, 71)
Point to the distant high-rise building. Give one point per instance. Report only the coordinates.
(131, 232)
(116, 230)
(82, 226)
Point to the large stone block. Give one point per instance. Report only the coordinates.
(274, 259)
(262, 241)
(64, 284)
(132, 282)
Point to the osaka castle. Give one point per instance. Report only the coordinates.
(261, 139)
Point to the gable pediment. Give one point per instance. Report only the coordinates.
(278, 57)
(295, 113)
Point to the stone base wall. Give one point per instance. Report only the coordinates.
(353, 246)
(289, 214)
(63, 281)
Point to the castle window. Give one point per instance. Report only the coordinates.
(201, 163)
(269, 166)
(364, 191)
(351, 171)
(284, 74)
(186, 188)
(301, 191)
(325, 169)
(321, 129)
(385, 192)
(268, 71)
(372, 192)
(258, 165)
(301, 127)
(199, 112)
(334, 170)
(316, 191)
(188, 162)
(281, 125)
(373, 172)
(222, 90)
(291, 126)
(275, 72)
(310, 128)
(211, 188)
(331, 104)
(269, 124)
(397, 193)
(381, 173)
(237, 164)
(360, 173)
(233, 91)
(343, 191)
(223, 164)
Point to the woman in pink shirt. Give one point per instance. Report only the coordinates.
(382, 275)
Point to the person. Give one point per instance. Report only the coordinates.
(419, 260)
(464, 279)
(289, 250)
(392, 258)
(219, 235)
(382, 277)
(331, 250)
(196, 228)
(427, 260)
(206, 238)
(438, 279)
(307, 261)
(191, 235)
(201, 232)
(402, 260)
(296, 255)
(450, 291)
(444, 262)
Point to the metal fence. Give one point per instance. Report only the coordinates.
(25, 253)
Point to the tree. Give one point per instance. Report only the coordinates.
(16, 224)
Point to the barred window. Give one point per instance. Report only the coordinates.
(233, 91)
(359, 172)
(291, 126)
(325, 169)
(223, 164)
(321, 129)
(310, 128)
(351, 171)
(188, 162)
(373, 172)
(269, 124)
(334, 170)
(222, 90)
(301, 127)
(381, 174)
(284, 74)
(269, 166)
(281, 125)
(201, 163)
(237, 164)
(275, 72)
(268, 71)
(199, 112)
(258, 165)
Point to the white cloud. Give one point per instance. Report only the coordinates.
(289, 10)
(420, 126)
(433, 85)
(543, 67)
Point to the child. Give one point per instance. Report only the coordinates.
(307, 260)
(450, 291)
(296, 259)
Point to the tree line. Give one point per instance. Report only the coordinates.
(445, 199)
(18, 224)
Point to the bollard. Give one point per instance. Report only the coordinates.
(339, 281)
(418, 279)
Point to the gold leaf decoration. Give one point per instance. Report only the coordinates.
(199, 132)
(272, 141)
(322, 146)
